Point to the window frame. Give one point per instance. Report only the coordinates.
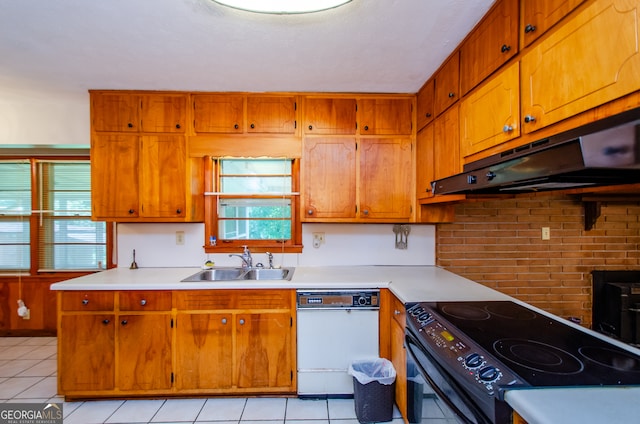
(212, 179)
(35, 236)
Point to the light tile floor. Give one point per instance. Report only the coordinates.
(28, 374)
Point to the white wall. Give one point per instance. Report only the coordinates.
(345, 244)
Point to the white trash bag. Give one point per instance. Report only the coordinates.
(366, 371)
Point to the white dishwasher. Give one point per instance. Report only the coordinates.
(335, 327)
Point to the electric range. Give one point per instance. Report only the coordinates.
(477, 350)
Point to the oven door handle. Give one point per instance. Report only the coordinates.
(411, 343)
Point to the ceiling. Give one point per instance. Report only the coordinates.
(364, 46)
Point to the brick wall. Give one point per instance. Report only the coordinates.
(498, 243)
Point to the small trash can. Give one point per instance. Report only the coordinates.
(373, 389)
(415, 394)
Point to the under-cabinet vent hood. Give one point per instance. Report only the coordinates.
(603, 153)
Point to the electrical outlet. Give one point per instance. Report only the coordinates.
(318, 239)
(179, 237)
(546, 233)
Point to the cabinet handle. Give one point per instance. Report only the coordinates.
(105, 321)
(123, 322)
(366, 127)
(507, 128)
(452, 94)
(143, 302)
(178, 126)
(397, 312)
(529, 28)
(529, 118)
(253, 125)
(310, 127)
(224, 320)
(241, 322)
(131, 211)
(85, 301)
(505, 48)
(130, 125)
(236, 126)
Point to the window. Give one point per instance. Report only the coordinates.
(253, 202)
(45, 217)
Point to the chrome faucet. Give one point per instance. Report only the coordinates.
(270, 258)
(247, 260)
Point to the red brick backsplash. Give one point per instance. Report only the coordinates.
(498, 243)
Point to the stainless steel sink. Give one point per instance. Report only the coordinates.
(233, 274)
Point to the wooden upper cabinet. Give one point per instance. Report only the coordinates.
(490, 115)
(115, 160)
(590, 60)
(328, 178)
(538, 16)
(162, 176)
(424, 162)
(447, 84)
(218, 113)
(329, 115)
(164, 113)
(493, 42)
(385, 187)
(115, 112)
(385, 116)
(271, 114)
(446, 145)
(425, 105)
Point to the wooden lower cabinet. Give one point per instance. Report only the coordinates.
(187, 342)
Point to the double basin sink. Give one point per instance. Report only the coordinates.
(234, 274)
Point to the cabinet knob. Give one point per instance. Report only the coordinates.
(253, 125)
(529, 28)
(507, 128)
(505, 48)
(366, 127)
(178, 126)
(529, 118)
(310, 212)
(178, 211)
(130, 125)
(85, 301)
(452, 94)
(236, 126)
(131, 211)
(428, 114)
(105, 321)
(366, 212)
(143, 302)
(241, 322)
(310, 127)
(123, 322)
(224, 320)
(396, 312)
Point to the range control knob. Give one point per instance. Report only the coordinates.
(362, 300)
(474, 360)
(488, 374)
(490, 175)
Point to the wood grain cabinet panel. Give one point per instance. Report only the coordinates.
(271, 114)
(425, 104)
(115, 112)
(328, 116)
(424, 162)
(447, 84)
(218, 113)
(446, 145)
(385, 116)
(540, 15)
(144, 300)
(591, 59)
(492, 43)
(89, 300)
(490, 114)
(164, 113)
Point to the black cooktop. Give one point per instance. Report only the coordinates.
(541, 350)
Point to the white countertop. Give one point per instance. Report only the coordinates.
(409, 284)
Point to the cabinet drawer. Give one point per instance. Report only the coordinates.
(232, 299)
(398, 311)
(145, 300)
(87, 301)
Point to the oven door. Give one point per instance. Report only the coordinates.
(445, 387)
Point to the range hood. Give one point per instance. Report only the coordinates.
(603, 153)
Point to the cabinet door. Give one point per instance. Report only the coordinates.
(218, 113)
(385, 178)
(493, 42)
(424, 104)
(271, 114)
(164, 113)
(590, 60)
(385, 116)
(264, 350)
(446, 145)
(490, 115)
(329, 178)
(163, 175)
(540, 15)
(88, 346)
(447, 84)
(114, 176)
(204, 351)
(329, 116)
(115, 112)
(424, 162)
(399, 361)
(144, 352)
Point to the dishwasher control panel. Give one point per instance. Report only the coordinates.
(338, 299)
